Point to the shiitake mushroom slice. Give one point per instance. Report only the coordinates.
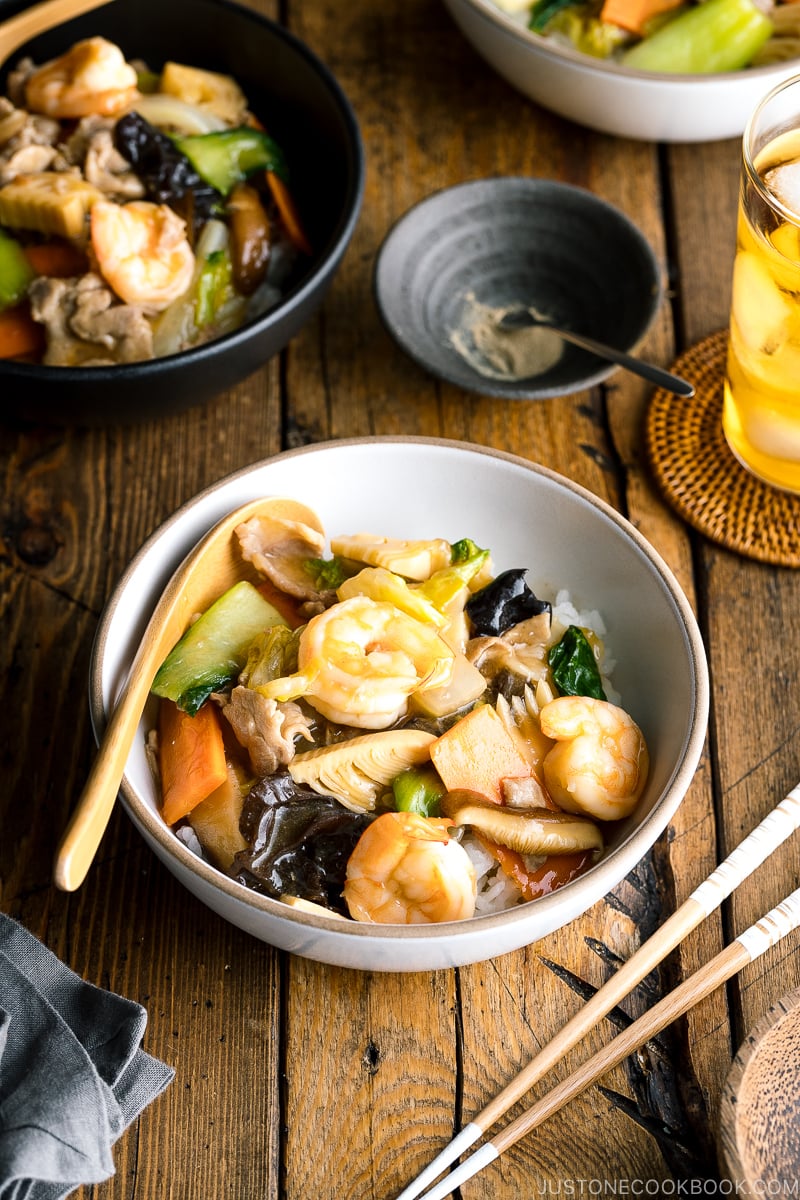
(526, 830)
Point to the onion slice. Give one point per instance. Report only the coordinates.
(168, 112)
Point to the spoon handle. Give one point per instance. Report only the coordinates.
(199, 580)
(91, 816)
(665, 379)
(18, 30)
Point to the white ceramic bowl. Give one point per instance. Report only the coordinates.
(528, 516)
(609, 97)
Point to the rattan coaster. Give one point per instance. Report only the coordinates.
(700, 477)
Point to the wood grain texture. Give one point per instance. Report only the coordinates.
(295, 1079)
(758, 1115)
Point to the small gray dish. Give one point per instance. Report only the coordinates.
(497, 244)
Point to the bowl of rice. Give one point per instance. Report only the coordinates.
(525, 550)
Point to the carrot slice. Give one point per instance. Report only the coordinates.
(288, 212)
(634, 15)
(20, 335)
(56, 259)
(287, 606)
(191, 757)
(284, 202)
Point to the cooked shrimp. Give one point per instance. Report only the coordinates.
(408, 870)
(142, 252)
(360, 660)
(92, 77)
(600, 762)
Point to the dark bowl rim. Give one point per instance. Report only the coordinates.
(295, 298)
(472, 381)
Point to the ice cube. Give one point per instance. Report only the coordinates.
(761, 310)
(774, 433)
(786, 240)
(784, 183)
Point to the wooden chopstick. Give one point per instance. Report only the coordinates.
(746, 948)
(741, 862)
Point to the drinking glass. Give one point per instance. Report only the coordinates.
(761, 410)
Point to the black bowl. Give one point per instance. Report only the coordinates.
(305, 110)
(512, 242)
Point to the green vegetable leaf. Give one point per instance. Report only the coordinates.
(543, 11)
(587, 33)
(574, 666)
(443, 586)
(214, 287)
(464, 550)
(271, 654)
(326, 572)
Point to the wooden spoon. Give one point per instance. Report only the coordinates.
(18, 30)
(211, 568)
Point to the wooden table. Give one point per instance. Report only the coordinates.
(295, 1080)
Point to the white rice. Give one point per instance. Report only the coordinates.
(495, 891)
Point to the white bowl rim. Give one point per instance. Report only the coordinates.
(597, 881)
(488, 11)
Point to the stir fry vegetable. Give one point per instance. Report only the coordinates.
(418, 790)
(428, 742)
(717, 35)
(574, 666)
(214, 649)
(16, 272)
(230, 157)
(669, 36)
(142, 212)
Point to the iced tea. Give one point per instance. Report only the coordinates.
(761, 414)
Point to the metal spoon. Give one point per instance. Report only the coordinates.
(521, 318)
(213, 566)
(28, 24)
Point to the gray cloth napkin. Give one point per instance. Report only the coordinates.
(73, 1075)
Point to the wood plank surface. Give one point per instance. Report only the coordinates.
(298, 1080)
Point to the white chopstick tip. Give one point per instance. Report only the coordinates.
(775, 828)
(770, 929)
(453, 1150)
(484, 1155)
